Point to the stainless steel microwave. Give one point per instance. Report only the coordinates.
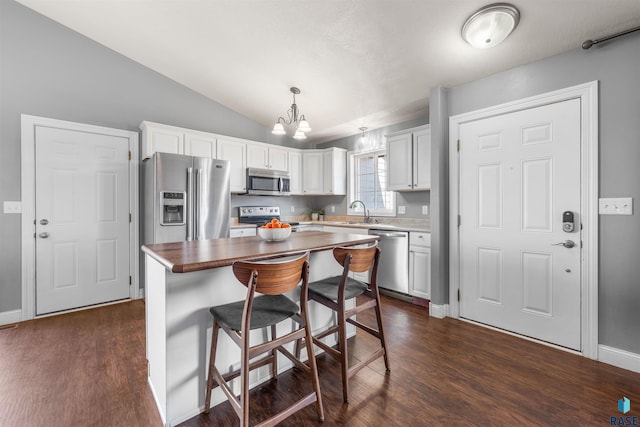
(268, 182)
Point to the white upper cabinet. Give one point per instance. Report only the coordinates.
(236, 153)
(334, 171)
(265, 156)
(200, 144)
(295, 169)
(312, 172)
(324, 171)
(157, 137)
(409, 160)
(161, 138)
(279, 158)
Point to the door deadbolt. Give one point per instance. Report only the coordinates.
(44, 235)
(44, 221)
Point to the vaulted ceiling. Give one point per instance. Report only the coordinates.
(357, 62)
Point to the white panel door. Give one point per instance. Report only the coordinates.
(82, 219)
(518, 173)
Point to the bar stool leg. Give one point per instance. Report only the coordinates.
(212, 361)
(344, 356)
(382, 341)
(274, 354)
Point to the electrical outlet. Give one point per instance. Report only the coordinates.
(425, 209)
(616, 206)
(12, 207)
(293, 209)
(333, 209)
(402, 210)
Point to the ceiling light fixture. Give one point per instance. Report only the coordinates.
(362, 137)
(490, 25)
(293, 118)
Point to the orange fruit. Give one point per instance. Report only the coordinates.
(276, 225)
(285, 225)
(270, 225)
(275, 221)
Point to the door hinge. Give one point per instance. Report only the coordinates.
(129, 216)
(459, 220)
(458, 146)
(458, 294)
(129, 154)
(129, 280)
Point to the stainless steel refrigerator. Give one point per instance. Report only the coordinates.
(185, 198)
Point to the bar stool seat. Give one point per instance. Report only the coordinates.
(267, 310)
(329, 288)
(272, 279)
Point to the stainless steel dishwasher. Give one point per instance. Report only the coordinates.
(393, 270)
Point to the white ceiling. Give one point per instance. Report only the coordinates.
(357, 62)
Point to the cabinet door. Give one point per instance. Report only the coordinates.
(312, 172)
(399, 153)
(257, 156)
(420, 272)
(295, 169)
(162, 140)
(200, 145)
(236, 153)
(422, 160)
(279, 159)
(327, 172)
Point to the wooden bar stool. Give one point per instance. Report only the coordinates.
(334, 292)
(272, 280)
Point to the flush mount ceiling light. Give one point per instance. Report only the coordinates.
(294, 118)
(490, 25)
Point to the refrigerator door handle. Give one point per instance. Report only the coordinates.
(280, 185)
(190, 204)
(196, 216)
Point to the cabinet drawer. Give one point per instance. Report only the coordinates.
(419, 239)
(241, 232)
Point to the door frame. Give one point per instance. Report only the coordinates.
(28, 173)
(588, 95)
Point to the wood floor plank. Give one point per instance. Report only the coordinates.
(88, 369)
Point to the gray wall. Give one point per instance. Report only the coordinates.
(617, 67)
(413, 201)
(48, 70)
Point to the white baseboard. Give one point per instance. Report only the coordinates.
(8, 317)
(620, 358)
(438, 311)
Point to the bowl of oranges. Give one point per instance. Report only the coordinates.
(274, 230)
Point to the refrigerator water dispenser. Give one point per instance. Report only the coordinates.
(172, 207)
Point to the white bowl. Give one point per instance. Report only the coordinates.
(274, 234)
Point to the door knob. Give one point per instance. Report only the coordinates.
(567, 244)
(44, 235)
(44, 221)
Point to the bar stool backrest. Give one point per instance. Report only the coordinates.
(361, 259)
(272, 278)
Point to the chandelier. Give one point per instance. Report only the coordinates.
(294, 118)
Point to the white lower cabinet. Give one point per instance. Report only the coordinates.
(242, 232)
(420, 265)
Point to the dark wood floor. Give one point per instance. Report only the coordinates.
(88, 369)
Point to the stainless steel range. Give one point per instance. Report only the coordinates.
(260, 215)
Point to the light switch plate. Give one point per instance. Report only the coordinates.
(616, 206)
(12, 207)
(425, 209)
(402, 210)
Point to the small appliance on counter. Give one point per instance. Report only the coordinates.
(260, 215)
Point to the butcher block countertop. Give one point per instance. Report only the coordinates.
(185, 257)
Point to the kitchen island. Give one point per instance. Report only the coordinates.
(184, 279)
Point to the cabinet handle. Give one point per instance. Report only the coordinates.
(409, 185)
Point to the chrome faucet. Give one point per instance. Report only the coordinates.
(364, 207)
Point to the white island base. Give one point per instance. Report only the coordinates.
(179, 332)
